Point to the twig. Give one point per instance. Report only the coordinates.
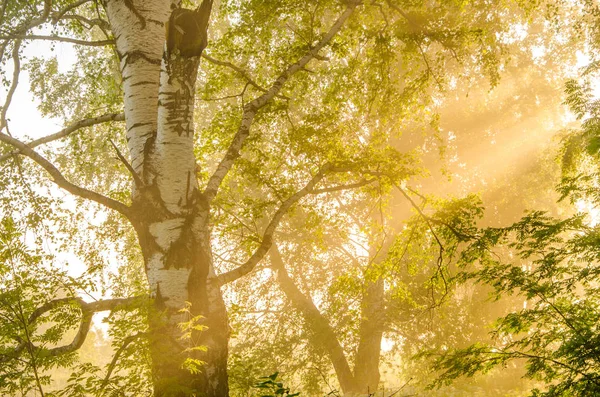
(57, 15)
(241, 72)
(349, 186)
(13, 85)
(440, 259)
(126, 342)
(136, 178)
(71, 40)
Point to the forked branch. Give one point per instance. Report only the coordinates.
(251, 109)
(87, 311)
(267, 238)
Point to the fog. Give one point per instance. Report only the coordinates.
(282, 198)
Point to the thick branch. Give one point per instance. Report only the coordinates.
(67, 131)
(61, 181)
(250, 109)
(43, 17)
(87, 312)
(96, 306)
(322, 332)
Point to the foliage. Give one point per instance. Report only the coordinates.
(37, 347)
(357, 105)
(188, 328)
(553, 265)
(273, 388)
(27, 281)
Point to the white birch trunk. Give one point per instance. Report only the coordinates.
(172, 218)
(174, 145)
(140, 37)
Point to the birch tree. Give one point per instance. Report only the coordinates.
(289, 105)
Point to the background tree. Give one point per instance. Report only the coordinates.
(483, 136)
(296, 106)
(552, 265)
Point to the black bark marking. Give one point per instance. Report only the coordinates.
(159, 300)
(131, 7)
(181, 252)
(187, 189)
(148, 149)
(137, 125)
(131, 57)
(144, 83)
(179, 104)
(154, 21)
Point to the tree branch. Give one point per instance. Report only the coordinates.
(61, 181)
(267, 239)
(13, 85)
(58, 15)
(442, 248)
(44, 16)
(88, 23)
(323, 333)
(87, 312)
(250, 109)
(67, 131)
(111, 367)
(349, 186)
(240, 71)
(136, 178)
(71, 40)
(25, 27)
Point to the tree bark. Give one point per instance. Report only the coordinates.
(139, 31)
(171, 215)
(182, 271)
(168, 212)
(366, 367)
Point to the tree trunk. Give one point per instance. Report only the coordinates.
(366, 376)
(366, 367)
(181, 271)
(172, 216)
(321, 332)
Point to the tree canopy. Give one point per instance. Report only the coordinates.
(212, 198)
